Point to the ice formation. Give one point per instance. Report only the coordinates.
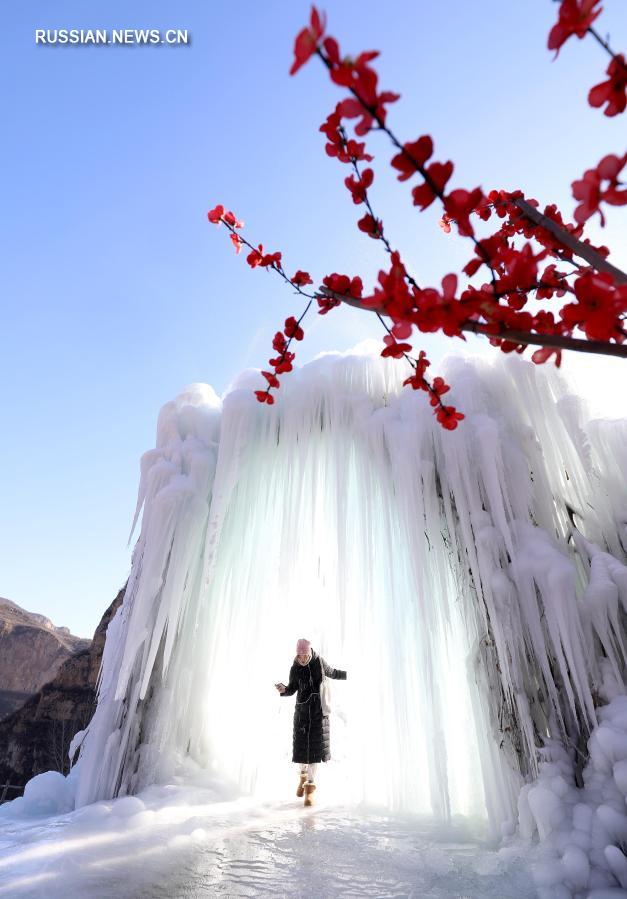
(584, 827)
(190, 839)
(468, 581)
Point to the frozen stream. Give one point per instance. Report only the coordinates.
(180, 842)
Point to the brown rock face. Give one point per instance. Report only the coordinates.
(37, 736)
(32, 650)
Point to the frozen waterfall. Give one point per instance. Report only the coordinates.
(466, 581)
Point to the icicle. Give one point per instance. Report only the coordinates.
(433, 566)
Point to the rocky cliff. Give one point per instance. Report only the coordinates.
(37, 736)
(32, 650)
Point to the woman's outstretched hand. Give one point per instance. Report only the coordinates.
(280, 687)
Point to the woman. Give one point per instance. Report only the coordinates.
(312, 740)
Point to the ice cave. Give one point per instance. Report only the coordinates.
(469, 582)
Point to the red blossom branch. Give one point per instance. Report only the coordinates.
(583, 250)
(591, 190)
(327, 298)
(412, 157)
(556, 341)
(459, 205)
(596, 290)
(574, 16)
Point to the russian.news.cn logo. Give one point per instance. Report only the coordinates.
(103, 36)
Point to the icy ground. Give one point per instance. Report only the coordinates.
(179, 841)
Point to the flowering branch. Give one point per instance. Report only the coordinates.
(575, 19)
(596, 347)
(327, 298)
(596, 289)
(584, 250)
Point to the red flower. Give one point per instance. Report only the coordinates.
(589, 190)
(325, 304)
(441, 310)
(292, 329)
(367, 104)
(484, 212)
(439, 388)
(237, 242)
(448, 417)
(218, 215)
(332, 50)
(544, 322)
(488, 248)
(599, 307)
(271, 378)
(301, 279)
(393, 294)
(371, 226)
(614, 90)
(352, 109)
(353, 73)
(264, 397)
(519, 272)
(215, 215)
(394, 349)
(282, 363)
(553, 282)
(357, 151)
(331, 126)
(359, 187)
(342, 284)
(545, 353)
(279, 342)
(402, 329)
(459, 205)
(439, 174)
(255, 257)
(270, 259)
(307, 40)
(417, 380)
(575, 17)
(414, 157)
(229, 218)
(258, 257)
(345, 150)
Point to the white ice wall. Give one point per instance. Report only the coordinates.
(346, 514)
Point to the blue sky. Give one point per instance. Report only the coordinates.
(116, 291)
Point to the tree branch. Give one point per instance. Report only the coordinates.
(580, 345)
(583, 250)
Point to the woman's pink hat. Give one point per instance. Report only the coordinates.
(302, 647)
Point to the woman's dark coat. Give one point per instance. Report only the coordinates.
(312, 737)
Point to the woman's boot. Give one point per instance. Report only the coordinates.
(301, 785)
(309, 790)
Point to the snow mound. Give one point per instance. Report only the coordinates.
(45, 794)
(585, 828)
